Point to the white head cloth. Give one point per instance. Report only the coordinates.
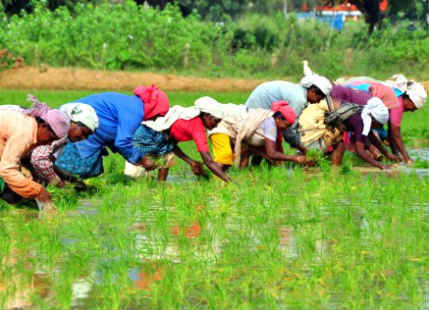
(11, 107)
(81, 113)
(317, 80)
(227, 112)
(398, 81)
(417, 94)
(210, 106)
(175, 113)
(311, 78)
(414, 90)
(375, 108)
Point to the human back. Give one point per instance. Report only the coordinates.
(14, 123)
(109, 105)
(265, 94)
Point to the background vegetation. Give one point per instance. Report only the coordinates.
(132, 37)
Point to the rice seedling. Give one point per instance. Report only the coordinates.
(276, 238)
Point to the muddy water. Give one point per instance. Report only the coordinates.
(426, 302)
(416, 154)
(152, 248)
(422, 172)
(422, 154)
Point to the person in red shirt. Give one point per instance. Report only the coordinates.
(195, 129)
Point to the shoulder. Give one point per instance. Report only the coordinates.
(269, 122)
(196, 123)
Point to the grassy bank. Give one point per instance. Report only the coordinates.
(274, 239)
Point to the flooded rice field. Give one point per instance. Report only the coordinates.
(422, 154)
(279, 238)
(348, 242)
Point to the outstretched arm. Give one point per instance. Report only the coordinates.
(273, 154)
(215, 168)
(377, 143)
(360, 151)
(197, 167)
(395, 140)
(179, 153)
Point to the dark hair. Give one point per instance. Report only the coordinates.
(81, 124)
(405, 96)
(202, 114)
(39, 120)
(278, 114)
(317, 90)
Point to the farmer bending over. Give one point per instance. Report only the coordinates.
(20, 132)
(186, 124)
(256, 131)
(84, 122)
(373, 115)
(399, 95)
(312, 88)
(119, 117)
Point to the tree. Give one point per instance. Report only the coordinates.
(213, 9)
(15, 6)
(162, 3)
(371, 11)
(216, 9)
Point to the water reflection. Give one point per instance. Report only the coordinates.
(81, 289)
(87, 207)
(422, 172)
(153, 250)
(288, 244)
(145, 276)
(426, 298)
(21, 289)
(422, 154)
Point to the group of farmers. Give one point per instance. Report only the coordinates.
(41, 145)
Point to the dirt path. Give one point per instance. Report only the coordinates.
(83, 79)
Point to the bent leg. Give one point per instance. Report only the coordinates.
(10, 196)
(71, 162)
(338, 153)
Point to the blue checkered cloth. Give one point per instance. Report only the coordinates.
(150, 142)
(72, 162)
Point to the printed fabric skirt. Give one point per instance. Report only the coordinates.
(71, 161)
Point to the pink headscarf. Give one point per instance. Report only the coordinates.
(57, 120)
(285, 109)
(155, 101)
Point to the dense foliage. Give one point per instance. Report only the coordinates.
(132, 37)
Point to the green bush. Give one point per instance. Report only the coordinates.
(131, 37)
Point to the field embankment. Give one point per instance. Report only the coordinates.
(49, 78)
(84, 79)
